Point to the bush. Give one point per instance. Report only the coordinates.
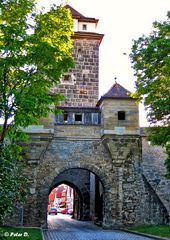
(12, 181)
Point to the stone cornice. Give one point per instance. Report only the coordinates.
(88, 35)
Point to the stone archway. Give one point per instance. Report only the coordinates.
(118, 171)
(90, 191)
(77, 208)
(42, 198)
(78, 180)
(84, 182)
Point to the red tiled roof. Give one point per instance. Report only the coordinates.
(79, 16)
(74, 13)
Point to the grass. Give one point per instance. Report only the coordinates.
(157, 230)
(19, 233)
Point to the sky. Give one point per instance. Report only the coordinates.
(120, 21)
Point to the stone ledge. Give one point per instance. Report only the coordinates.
(38, 129)
(120, 131)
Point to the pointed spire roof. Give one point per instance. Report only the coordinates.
(116, 92)
(79, 16)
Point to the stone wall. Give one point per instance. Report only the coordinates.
(154, 211)
(115, 160)
(155, 171)
(81, 85)
(92, 196)
(125, 153)
(128, 197)
(109, 116)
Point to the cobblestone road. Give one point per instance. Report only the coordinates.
(69, 229)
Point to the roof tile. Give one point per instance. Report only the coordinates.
(79, 16)
(117, 91)
(74, 13)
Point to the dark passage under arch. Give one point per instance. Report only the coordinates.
(88, 193)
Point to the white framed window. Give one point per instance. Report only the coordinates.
(84, 27)
(68, 79)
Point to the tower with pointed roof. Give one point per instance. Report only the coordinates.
(94, 145)
(119, 112)
(81, 85)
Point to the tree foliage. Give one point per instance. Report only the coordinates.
(150, 57)
(35, 51)
(12, 181)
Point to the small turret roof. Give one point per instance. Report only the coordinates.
(116, 92)
(79, 16)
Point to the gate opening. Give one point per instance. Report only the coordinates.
(79, 195)
(64, 199)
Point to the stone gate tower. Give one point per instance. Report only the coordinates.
(81, 85)
(93, 142)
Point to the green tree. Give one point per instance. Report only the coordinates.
(12, 181)
(150, 57)
(35, 51)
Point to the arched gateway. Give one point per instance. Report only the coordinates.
(115, 160)
(88, 193)
(98, 137)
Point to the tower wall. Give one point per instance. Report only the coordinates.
(109, 116)
(80, 86)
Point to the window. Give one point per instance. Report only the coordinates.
(121, 115)
(79, 53)
(84, 27)
(65, 117)
(78, 117)
(66, 78)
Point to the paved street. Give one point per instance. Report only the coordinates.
(62, 227)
